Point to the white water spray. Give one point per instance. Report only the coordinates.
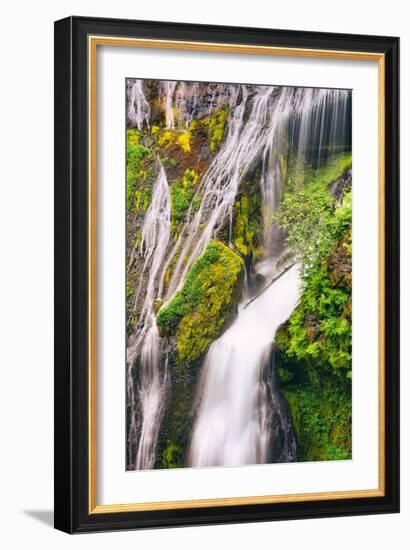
(147, 398)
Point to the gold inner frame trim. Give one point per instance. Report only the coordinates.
(93, 42)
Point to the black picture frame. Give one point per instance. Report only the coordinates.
(71, 488)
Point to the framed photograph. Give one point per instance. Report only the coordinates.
(226, 274)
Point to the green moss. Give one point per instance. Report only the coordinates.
(167, 139)
(171, 456)
(320, 403)
(314, 359)
(217, 128)
(334, 169)
(247, 224)
(196, 203)
(184, 141)
(322, 417)
(297, 175)
(182, 194)
(193, 319)
(137, 158)
(198, 312)
(172, 137)
(130, 291)
(190, 178)
(137, 200)
(147, 197)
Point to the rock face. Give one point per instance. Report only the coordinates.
(191, 101)
(339, 187)
(340, 262)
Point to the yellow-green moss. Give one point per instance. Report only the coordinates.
(172, 137)
(217, 128)
(313, 359)
(182, 194)
(184, 141)
(167, 139)
(298, 175)
(138, 157)
(147, 198)
(247, 224)
(171, 456)
(198, 312)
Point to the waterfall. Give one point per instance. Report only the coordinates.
(271, 112)
(146, 398)
(233, 425)
(239, 410)
(139, 110)
(220, 184)
(169, 88)
(323, 126)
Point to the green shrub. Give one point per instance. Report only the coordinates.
(312, 220)
(314, 347)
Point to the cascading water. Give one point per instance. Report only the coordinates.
(321, 124)
(147, 398)
(139, 110)
(169, 88)
(244, 141)
(239, 410)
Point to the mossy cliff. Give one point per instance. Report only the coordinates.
(207, 302)
(185, 153)
(312, 227)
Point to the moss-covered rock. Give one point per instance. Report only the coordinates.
(217, 128)
(198, 312)
(182, 195)
(298, 174)
(247, 226)
(320, 404)
(321, 412)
